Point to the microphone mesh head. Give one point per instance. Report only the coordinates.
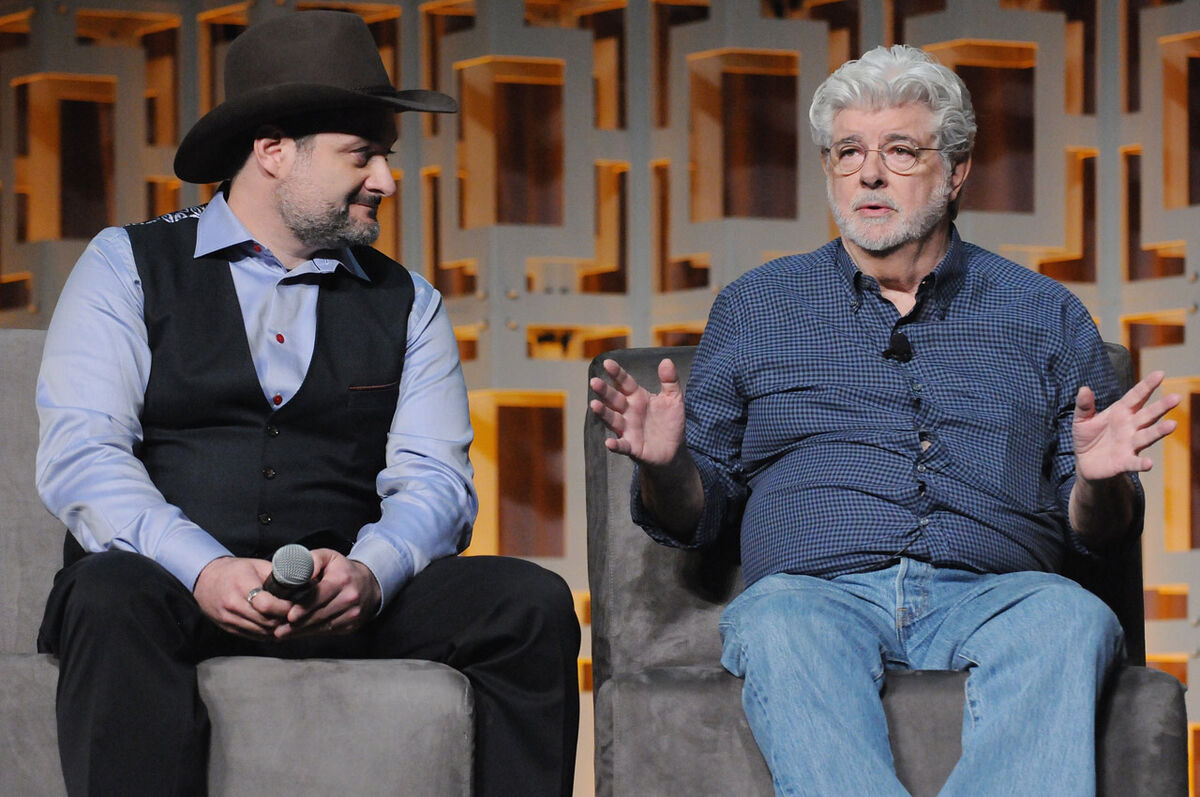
(292, 565)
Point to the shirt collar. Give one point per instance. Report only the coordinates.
(219, 229)
(944, 281)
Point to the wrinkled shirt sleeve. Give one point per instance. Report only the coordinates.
(90, 391)
(428, 498)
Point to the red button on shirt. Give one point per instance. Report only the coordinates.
(257, 248)
(277, 400)
(279, 337)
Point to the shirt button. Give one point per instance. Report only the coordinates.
(277, 399)
(268, 473)
(279, 337)
(256, 248)
(264, 519)
(924, 521)
(917, 387)
(921, 468)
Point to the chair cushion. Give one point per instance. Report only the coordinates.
(28, 738)
(323, 726)
(681, 731)
(317, 726)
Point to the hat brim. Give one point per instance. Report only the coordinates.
(208, 151)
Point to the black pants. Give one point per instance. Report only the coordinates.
(128, 637)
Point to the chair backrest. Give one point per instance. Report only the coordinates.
(30, 537)
(656, 606)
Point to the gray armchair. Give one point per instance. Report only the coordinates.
(386, 727)
(669, 719)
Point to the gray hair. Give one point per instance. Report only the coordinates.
(888, 77)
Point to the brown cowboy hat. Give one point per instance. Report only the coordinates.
(301, 62)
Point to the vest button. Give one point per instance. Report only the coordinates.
(272, 431)
(268, 473)
(264, 518)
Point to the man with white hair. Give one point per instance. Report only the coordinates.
(901, 502)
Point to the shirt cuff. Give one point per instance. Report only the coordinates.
(392, 566)
(189, 553)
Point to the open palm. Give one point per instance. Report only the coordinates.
(1111, 442)
(649, 427)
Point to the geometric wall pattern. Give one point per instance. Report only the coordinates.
(616, 162)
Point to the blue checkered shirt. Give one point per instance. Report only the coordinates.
(831, 458)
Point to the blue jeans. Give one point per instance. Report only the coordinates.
(813, 654)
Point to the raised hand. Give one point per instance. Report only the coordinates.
(649, 427)
(1111, 442)
(1109, 445)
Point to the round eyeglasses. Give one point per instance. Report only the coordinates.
(898, 157)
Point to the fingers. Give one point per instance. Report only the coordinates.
(626, 385)
(240, 616)
(1144, 438)
(621, 379)
(340, 603)
(1148, 417)
(612, 397)
(1085, 403)
(1134, 402)
(1137, 395)
(1154, 411)
(612, 400)
(668, 376)
(229, 592)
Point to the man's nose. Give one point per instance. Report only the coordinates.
(873, 173)
(379, 177)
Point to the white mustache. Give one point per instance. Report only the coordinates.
(872, 199)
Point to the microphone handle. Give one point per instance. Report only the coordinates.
(296, 593)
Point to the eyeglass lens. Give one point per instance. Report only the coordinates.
(898, 157)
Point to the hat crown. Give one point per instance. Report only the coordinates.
(305, 62)
(320, 48)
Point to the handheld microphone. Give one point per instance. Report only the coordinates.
(899, 349)
(291, 573)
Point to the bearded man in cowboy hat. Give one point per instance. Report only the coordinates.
(224, 380)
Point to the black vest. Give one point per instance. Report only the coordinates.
(253, 475)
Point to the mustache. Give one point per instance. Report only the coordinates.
(370, 200)
(873, 199)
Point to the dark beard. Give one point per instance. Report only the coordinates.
(329, 227)
(334, 230)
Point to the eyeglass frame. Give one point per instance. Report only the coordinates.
(827, 151)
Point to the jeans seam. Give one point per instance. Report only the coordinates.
(969, 698)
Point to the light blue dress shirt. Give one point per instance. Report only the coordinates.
(93, 381)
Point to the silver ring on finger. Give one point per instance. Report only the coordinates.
(250, 595)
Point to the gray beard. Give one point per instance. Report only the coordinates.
(914, 228)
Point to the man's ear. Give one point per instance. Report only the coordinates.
(958, 176)
(273, 151)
